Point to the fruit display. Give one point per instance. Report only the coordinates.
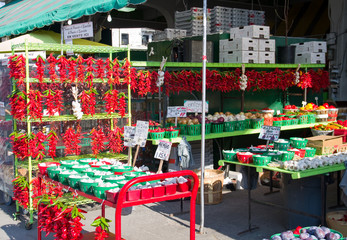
(309, 107)
(290, 109)
(308, 233)
(342, 123)
(327, 127)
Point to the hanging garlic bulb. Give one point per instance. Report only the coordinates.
(297, 78)
(243, 82)
(76, 106)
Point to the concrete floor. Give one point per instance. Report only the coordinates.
(153, 221)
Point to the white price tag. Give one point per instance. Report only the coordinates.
(163, 150)
(195, 106)
(2, 109)
(269, 133)
(176, 112)
(129, 134)
(141, 133)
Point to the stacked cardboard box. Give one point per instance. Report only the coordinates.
(169, 34)
(310, 52)
(192, 21)
(249, 44)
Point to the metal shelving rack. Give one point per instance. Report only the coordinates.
(26, 47)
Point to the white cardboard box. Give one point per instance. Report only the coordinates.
(266, 57)
(251, 31)
(311, 47)
(238, 57)
(266, 45)
(308, 58)
(243, 44)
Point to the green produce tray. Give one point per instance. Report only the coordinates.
(194, 130)
(257, 123)
(157, 135)
(240, 125)
(286, 123)
(229, 126)
(310, 152)
(208, 127)
(184, 128)
(88, 187)
(303, 119)
(248, 123)
(311, 118)
(171, 134)
(100, 191)
(217, 127)
(277, 123)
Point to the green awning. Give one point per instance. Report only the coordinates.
(21, 16)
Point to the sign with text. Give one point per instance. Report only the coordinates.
(195, 106)
(269, 133)
(129, 134)
(80, 30)
(163, 150)
(141, 133)
(176, 112)
(69, 42)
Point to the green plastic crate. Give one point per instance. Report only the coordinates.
(157, 135)
(303, 119)
(311, 118)
(184, 128)
(261, 160)
(194, 130)
(247, 123)
(171, 134)
(294, 121)
(229, 126)
(240, 125)
(257, 123)
(277, 123)
(285, 123)
(217, 127)
(282, 146)
(287, 155)
(208, 127)
(298, 142)
(310, 152)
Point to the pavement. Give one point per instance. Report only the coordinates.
(163, 220)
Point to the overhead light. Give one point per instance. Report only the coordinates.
(127, 9)
(69, 22)
(109, 18)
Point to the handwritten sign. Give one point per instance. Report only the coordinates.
(141, 133)
(195, 106)
(176, 112)
(80, 30)
(163, 150)
(129, 134)
(269, 133)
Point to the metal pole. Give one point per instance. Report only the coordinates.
(203, 119)
(61, 37)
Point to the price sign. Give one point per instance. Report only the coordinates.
(163, 150)
(195, 106)
(176, 112)
(269, 133)
(129, 134)
(141, 133)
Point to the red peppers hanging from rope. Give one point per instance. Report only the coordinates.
(71, 141)
(115, 144)
(98, 138)
(88, 101)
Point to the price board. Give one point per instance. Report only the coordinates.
(176, 111)
(141, 133)
(163, 150)
(129, 134)
(269, 133)
(195, 106)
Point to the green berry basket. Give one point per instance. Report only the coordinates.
(87, 187)
(303, 119)
(247, 123)
(99, 192)
(298, 142)
(294, 121)
(154, 127)
(257, 123)
(117, 169)
(53, 172)
(261, 160)
(184, 128)
(229, 155)
(171, 134)
(285, 123)
(229, 126)
(88, 173)
(194, 130)
(310, 152)
(157, 135)
(208, 127)
(217, 127)
(281, 145)
(105, 168)
(85, 161)
(311, 118)
(277, 123)
(240, 125)
(68, 163)
(63, 177)
(80, 167)
(275, 155)
(74, 181)
(287, 155)
(102, 176)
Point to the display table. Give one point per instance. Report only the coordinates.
(122, 203)
(321, 172)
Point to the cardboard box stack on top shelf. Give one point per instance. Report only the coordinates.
(310, 52)
(249, 44)
(192, 21)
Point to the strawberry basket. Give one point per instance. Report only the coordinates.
(194, 130)
(245, 157)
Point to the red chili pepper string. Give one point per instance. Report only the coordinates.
(80, 69)
(54, 101)
(18, 105)
(90, 71)
(40, 70)
(35, 104)
(19, 145)
(122, 104)
(72, 69)
(88, 101)
(115, 145)
(154, 77)
(305, 81)
(52, 144)
(63, 64)
(21, 191)
(109, 71)
(98, 138)
(116, 72)
(51, 67)
(100, 69)
(100, 234)
(111, 101)
(71, 141)
(17, 69)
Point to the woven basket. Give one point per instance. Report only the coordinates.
(213, 186)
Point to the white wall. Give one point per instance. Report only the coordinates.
(135, 36)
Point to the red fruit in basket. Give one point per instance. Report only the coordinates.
(326, 105)
(288, 107)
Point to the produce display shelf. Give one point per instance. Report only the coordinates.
(73, 118)
(121, 203)
(172, 140)
(294, 175)
(222, 65)
(247, 132)
(95, 80)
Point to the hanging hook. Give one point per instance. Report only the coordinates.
(243, 67)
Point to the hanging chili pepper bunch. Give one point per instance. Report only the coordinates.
(305, 81)
(90, 71)
(72, 69)
(320, 79)
(52, 143)
(144, 83)
(80, 69)
(88, 101)
(41, 188)
(115, 144)
(35, 104)
(63, 65)
(130, 75)
(19, 145)
(101, 228)
(17, 68)
(100, 68)
(18, 105)
(36, 145)
(40, 68)
(21, 191)
(52, 61)
(122, 104)
(71, 141)
(111, 101)
(54, 101)
(98, 138)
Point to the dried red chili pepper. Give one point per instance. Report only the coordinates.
(116, 71)
(80, 69)
(122, 104)
(17, 68)
(115, 145)
(21, 191)
(100, 69)
(72, 69)
(144, 83)
(88, 101)
(40, 70)
(35, 104)
(90, 71)
(98, 138)
(54, 101)
(111, 101)
(63, 66)
(51, 67)
(18, 105)
(52, 143)
(71, 141)
(19, 145)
